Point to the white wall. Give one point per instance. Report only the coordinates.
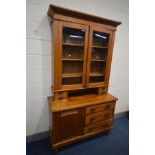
(39, 55)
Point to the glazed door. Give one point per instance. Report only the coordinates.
(73, 43)
(98, 56)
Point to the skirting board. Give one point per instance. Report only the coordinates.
(45, 134)
(122, 114)
(37, 136)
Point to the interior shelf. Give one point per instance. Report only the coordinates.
(96, 74)
(70, 75)
(70, 44)
(67, 59)
(95, 46)
(94, 60)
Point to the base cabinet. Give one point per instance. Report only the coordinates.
(79, 123)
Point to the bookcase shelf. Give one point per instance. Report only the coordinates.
(70, 44)
(68, 59)
(95, 46)
(96, 74)
(96, 60)
(70, 75)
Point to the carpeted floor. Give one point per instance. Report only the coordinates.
(116, 143)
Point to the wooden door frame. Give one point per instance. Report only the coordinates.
(60, 24)
(109, 56)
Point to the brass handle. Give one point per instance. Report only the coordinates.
(93, 109)
(63, 114)
(90, 129)
(60, 97)
(108, 106)
(105, 125)
(92, 119)
(106, 115)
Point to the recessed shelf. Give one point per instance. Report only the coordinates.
(70, 75)
(94, 60)
(95, 46)
(70, 44)
(96, 74)
(70, 59)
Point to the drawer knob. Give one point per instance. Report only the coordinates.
(93, 109)
(105, 125)
(106, 115)
(90, 129)
(108, 106)
(60, 97)
(92, 119)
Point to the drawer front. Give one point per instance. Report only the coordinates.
(101, 107)
(98, 126)
(100, 116)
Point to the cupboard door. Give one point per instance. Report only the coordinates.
(98, 55)
(73, 40)
(67, 125)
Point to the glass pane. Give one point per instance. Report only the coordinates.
(99, 54)
(98, 57)
(71, 52)
(73, 36)
(100, 39)
(97, 68)
(72, 55)
(72, 67)
(96, 79)
(71, 81)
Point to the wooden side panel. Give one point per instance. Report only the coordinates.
(55, 127)
(55, 54)
(109, 58)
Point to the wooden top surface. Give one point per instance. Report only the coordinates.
(79, 102)
(54, 9)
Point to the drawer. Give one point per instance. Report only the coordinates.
(101, 107)
(98, 126)
(100, 116)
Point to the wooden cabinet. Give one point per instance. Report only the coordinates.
(82, 53)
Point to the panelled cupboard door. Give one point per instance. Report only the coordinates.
(99, 50)
(73, 44)
(67, 125)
